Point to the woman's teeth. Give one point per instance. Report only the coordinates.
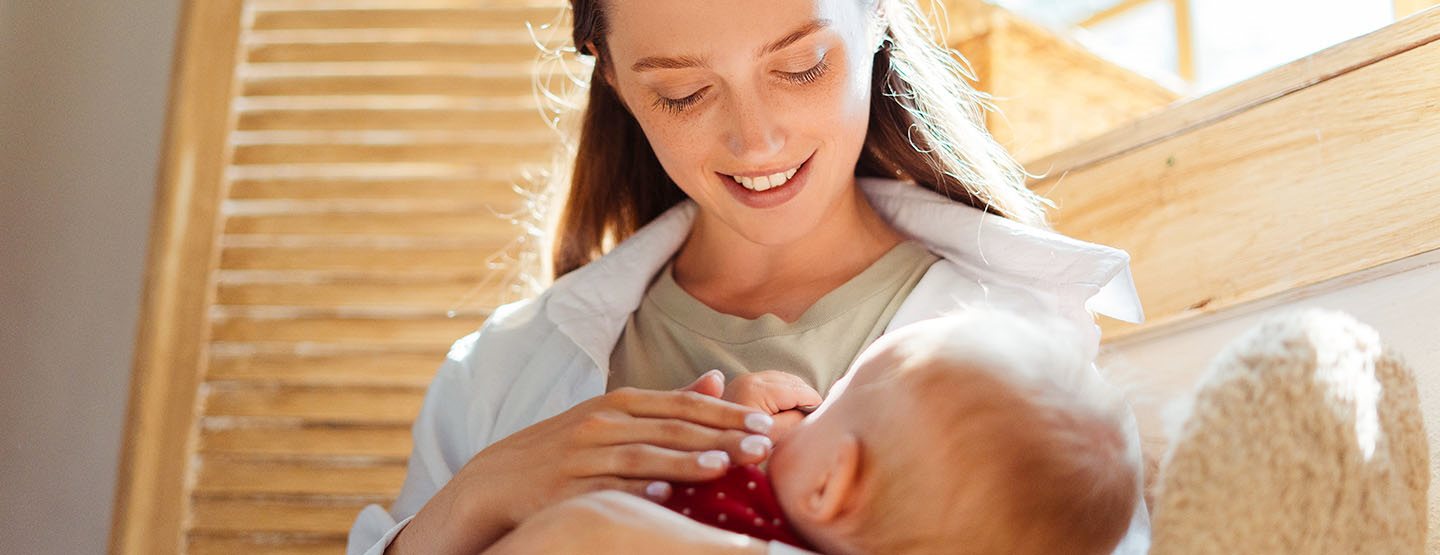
(766, 182)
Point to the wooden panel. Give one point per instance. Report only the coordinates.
(154, 460)
(207, 545)
(370, 406)
(1275, 197)
(1286, 79)
(469, 52)
(277, 442)
(383, 118)
(1406, 8)
(265, 516)
(393, 368)
(1022, 66)
(405, 19)
(437, 332)
(497, 150)
(496, 193)
(510, 85)
(219, 476)
(425, 294)
(1027, 63)
(434, 223)
(369, 181)
(377, 258)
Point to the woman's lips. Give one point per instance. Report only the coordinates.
(774, 196)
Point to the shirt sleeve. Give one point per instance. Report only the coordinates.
(441, 446)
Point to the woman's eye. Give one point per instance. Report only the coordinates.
(811, 74)
(678, 105)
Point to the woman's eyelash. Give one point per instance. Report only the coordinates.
(676, 106)
(811, 74)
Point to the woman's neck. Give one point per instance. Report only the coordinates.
(734, 275)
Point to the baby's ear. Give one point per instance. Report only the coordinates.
(838, 483)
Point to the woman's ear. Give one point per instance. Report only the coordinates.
(602, 69)
(838, 483)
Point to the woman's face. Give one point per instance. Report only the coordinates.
(746, 88)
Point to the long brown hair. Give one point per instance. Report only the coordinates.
(926, 126)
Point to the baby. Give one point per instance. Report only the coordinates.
(979, 432)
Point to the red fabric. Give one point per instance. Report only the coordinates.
(740, 501)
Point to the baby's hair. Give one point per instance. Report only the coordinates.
(1047, 448)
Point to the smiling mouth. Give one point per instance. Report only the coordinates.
(767, 182)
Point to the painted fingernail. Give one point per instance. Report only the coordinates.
(714, 459)
(658, 491)
(755, 445)
(758, 422)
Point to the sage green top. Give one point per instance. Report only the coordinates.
(674, 337)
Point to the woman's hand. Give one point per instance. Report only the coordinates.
(614, 523)
(784, 396)
(629, 440)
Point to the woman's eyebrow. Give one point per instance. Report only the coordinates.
(679, 62)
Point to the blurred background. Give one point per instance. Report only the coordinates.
(371, 142)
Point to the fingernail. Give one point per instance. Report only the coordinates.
(714, 459)
(658, 491)
(758, 422)
(755, 445)
(807, 409)
(715, 372)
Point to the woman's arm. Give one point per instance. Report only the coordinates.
(624, 440)
(627, 440)
(615, 523)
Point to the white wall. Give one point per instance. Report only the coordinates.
(83, 89)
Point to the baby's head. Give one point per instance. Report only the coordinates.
(979, 432)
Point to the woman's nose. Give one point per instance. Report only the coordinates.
(755, 133)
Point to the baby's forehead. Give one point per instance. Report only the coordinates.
(926, 380)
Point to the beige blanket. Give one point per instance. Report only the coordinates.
(1304, 436)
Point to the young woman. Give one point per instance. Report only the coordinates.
(783, 182)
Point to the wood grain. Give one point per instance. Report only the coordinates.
(1279, 196)
(150, 499)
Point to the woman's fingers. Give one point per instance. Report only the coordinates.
(743, 447)
(654, 490)
(691, 406)
(648, 462)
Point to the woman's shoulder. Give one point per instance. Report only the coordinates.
(505, 341)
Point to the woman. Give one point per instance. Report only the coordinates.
(804, 175)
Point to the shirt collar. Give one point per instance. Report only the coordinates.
(592, 303)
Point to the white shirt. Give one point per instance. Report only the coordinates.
(536, 358)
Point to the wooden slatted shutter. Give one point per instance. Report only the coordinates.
(361, 158)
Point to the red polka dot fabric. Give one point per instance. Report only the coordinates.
(740, 501)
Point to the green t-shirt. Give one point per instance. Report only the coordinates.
(672, 337)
